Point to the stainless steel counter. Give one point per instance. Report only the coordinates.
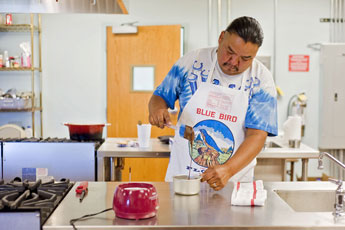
(207, 210)
(109, 151)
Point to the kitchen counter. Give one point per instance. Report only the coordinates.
(110, 150)
(282, 150)
(207, 210)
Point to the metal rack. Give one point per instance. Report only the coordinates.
(31, 28)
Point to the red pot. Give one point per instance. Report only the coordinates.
(85, 132)
(135, 201)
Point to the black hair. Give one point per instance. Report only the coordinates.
(248, 29)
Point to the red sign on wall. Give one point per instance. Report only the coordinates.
(298, 63)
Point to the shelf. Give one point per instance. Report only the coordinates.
(17, 28)
(29, 108)
(19, 69)
(21, 110)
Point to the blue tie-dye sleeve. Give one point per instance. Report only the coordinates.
(170, 88)
(262, 112)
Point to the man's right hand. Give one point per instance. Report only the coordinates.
(158, 110)
(159, 118)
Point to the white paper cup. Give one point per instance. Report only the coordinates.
(144, 135)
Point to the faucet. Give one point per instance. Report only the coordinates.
(339, 207)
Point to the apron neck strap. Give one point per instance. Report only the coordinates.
(213, 66)
(243, 82)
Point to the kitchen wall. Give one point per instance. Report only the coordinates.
(74, 51)
(298, 25)
(74, 64)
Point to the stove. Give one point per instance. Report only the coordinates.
(27, 205)
(62, 157)
(49, 140)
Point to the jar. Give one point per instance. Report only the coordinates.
(11, 60)
(8, 19)
(16, 62)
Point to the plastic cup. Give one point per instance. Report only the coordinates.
(144, 135)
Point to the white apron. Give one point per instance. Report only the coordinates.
(217, 115)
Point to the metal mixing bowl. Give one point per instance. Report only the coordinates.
(185, 186)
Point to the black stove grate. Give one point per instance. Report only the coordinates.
(50, 140)
(32, 196)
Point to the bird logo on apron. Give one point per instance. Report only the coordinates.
(213, 143)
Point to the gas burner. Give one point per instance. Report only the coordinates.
(47, 140)
(35, 139)
(18, 195)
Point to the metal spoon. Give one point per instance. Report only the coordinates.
(191, 159)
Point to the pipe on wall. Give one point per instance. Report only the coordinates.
(331, 35)
(228, 16)
(219, 21)
(209, 21)
(336, 27)
(341, 20)
(219, 18)
(275, 7)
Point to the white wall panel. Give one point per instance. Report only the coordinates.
(332, 97)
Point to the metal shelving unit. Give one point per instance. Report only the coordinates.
(19, 69)
(18, 28)
(30, 28)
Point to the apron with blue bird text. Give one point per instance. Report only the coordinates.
(217, 115)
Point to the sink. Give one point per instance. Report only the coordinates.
(309, 200)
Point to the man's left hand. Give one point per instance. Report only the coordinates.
(216, 176)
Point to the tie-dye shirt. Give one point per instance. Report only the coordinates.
(193, 68)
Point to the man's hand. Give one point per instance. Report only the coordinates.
(216, 176)
(158, 112)
(159, 118)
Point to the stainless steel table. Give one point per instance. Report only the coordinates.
(207, 210)
(110, 155)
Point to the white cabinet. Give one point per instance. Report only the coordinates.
(12, 35)
(332, 96)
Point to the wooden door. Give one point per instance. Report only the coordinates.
(157, 46)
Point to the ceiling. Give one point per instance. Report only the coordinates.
(63, 6)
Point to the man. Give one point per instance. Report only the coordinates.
(229, 99)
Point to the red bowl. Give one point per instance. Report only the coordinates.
(135, 201)
(87, 132)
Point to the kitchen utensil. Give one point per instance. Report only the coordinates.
(135, 201)
(185, 130)
(185, 186)
(82, 189)
(191, 159)
(86, 132)
(171, 126)
(189, 135)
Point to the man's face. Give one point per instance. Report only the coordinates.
(234, 55)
